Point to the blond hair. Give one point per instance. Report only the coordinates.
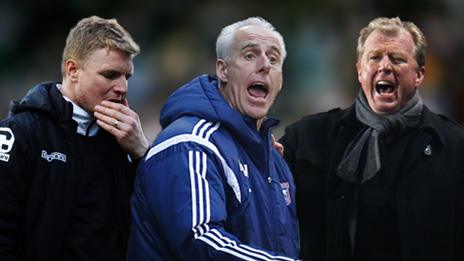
(94, 33)
(393, 26)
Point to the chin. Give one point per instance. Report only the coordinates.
(386, 109)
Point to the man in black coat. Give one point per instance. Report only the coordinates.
(384, 178)
(68, 153)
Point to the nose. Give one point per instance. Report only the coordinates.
(385, 65)
(264, 64)
(120, 87)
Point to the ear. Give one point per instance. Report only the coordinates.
(221, 70)
(358, 69)
(72, 70)
(420, 76)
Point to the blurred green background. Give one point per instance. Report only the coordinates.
(177, 40)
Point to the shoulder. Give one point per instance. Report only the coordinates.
(311, 135)
(448, 131)
(25, 123)
(315, 124)
(188, 125)
(184, 134)
(450, 123)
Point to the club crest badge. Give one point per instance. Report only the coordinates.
(286, 191)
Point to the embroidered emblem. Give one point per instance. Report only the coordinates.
(243, 168)
(6, 143)
(286, 191)
(53, 156)
(428, 150)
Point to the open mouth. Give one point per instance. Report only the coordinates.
(258, 90)
(115, 100)
(385, 87)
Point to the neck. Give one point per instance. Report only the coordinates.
(259, 122)
(66, 89)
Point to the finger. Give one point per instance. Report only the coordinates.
(114, 130)
(123, 116)
(114, 109)
(278, 146)
(114, 105)
(118, 123)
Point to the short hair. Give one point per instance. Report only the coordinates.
(227, 34)
(394, 25)
(94, 33)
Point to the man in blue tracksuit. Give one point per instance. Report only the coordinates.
(213, 187)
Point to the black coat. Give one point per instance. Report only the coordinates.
(42, 183)
(428, 193)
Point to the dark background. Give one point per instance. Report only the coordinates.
(177, 39)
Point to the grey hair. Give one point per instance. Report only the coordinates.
(226, 36)
(393, 26)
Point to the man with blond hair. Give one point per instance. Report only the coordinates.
(68, 152)
(383, 179)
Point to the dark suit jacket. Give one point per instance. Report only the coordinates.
(428, 193)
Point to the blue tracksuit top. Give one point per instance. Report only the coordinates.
(212, 187)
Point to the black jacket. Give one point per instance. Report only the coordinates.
(427, 195)
(42, 184)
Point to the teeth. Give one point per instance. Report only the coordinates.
(384, 83)
(384, 87)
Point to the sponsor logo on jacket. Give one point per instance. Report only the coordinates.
(53, 156)
(6, 143)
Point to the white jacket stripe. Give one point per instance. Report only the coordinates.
(204, 128)
(250, 249)
(193, 188)
(230, 175)
(195, 128)
(221, 243)
(213, 129)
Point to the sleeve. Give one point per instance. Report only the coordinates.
(180, 210)
(11, 192)
(289, 141)
(305, 161)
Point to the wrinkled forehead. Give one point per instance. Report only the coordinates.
(257, 35)
(379, 39)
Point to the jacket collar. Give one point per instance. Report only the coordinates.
(428, 124)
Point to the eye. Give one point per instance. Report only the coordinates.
(110, 75)
(249, 56)
(374, 57)
(398, 59)
(273, 59)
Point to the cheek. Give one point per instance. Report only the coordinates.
(277, 78)
(363, 78)
(408, 78)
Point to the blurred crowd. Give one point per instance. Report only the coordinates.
(177, 40)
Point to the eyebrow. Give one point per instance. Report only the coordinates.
(252, 44)
(392, 52)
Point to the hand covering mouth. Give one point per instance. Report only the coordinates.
(385, 87)
(258, 90)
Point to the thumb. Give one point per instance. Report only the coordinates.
(125, 102)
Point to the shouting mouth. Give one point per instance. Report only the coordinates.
(258, 90)
(384, 87)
